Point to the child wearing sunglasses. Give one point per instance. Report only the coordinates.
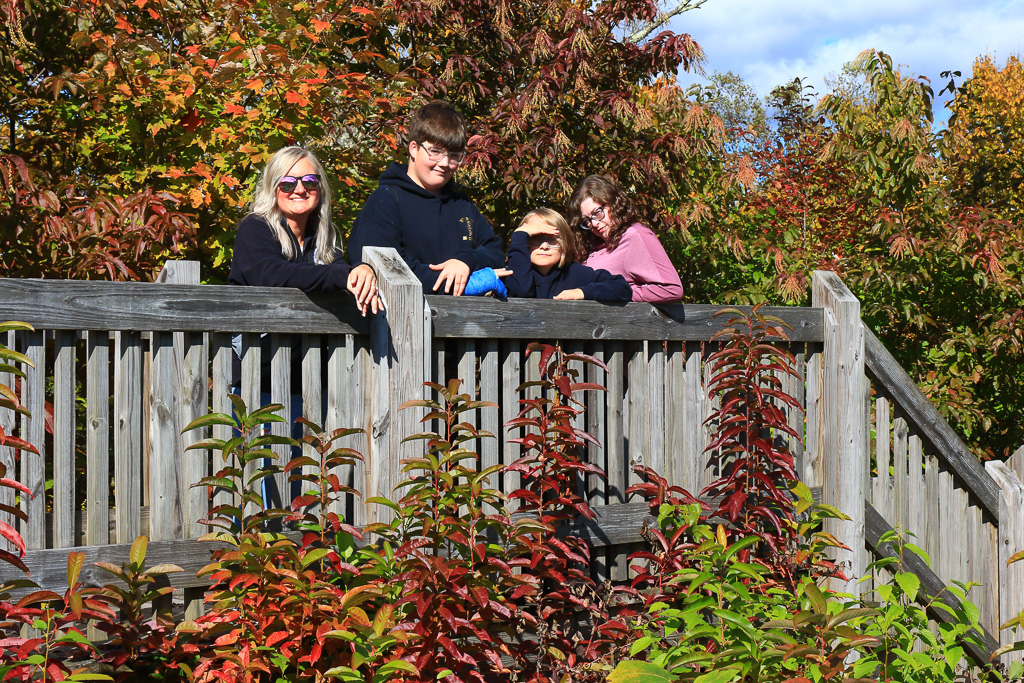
(541, 256)
(418, 210)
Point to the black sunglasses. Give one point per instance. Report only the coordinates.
(289, 183)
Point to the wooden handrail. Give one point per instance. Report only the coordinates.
(916, 407)
(87, 305)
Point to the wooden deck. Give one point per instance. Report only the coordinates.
(149, 358)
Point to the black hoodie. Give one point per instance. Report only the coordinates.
(597, 285)
(424, 227)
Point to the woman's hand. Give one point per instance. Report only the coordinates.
(362, 283)
(570, 295)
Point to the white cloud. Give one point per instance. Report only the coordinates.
(771, 42)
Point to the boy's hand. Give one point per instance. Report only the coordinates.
(454, 274)
(362, 283)
(570, 295)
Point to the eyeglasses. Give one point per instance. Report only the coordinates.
(598, 214)
(435, 155)
(542, 241)
(310, 182)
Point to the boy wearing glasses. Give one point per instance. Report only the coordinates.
(416, 208)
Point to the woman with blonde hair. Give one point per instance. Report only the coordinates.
(289, 240)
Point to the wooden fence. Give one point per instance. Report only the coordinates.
(149, 358)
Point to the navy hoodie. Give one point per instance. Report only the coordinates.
(258, 261)
(597, 285)
(424, 227)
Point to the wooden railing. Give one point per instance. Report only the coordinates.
(149, 358)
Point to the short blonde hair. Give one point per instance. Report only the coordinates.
(566, 239)
(264, 203)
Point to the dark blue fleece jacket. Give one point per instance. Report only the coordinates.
(597, 285)
(424, 227)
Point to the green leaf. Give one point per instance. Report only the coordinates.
(719, 676)
(137, 555)
(909, 583)
(630, 671)
(396, 665)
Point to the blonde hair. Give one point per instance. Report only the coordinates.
(264, 204)
(566, 239)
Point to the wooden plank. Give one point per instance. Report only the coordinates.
(127, 435)
(929, 423)
(490, 418)
(312, 399)
(399, 347)
(532, 319)
(33, 470)
(65, 531)
(131, 306)
(277, 493)
(638, 419)
(222, 355)
(915, 488)
(511, 378)
(97, 438)
(192, 360)
(251, 384)
(617, 457)
(842, 435)
(692, 404)
(932, 538)
(813, 412)
(882, 491)
(656, 366)
(164, 473)
(1010, 541)
(675, 426)
(899, 460)
(931, 584)
(795, 387)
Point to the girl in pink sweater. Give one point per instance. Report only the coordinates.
(615, 240)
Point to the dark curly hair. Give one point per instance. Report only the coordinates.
(622, 212)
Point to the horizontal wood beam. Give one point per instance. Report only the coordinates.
(484, 317)
(875, 527)
(615, 524)
(145, 306)
(929, 423)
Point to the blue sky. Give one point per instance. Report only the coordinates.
(769, 42)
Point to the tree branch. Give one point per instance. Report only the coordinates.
(647, 29)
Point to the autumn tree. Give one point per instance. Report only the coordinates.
(987, 131)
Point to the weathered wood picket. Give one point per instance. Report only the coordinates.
(149, 358)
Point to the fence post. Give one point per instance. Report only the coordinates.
(399, 341)
(841, 453)
(1010, 541)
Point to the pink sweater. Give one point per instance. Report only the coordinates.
(642, 260)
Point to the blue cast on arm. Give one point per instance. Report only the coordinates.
(483, 281)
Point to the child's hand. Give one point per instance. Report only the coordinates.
(536, 227)
(454, 274)
(570, 295)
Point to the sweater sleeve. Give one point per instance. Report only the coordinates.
(603, 286)
(648, 267)
(520, 283)
(487, 252)
(379, 224)
(257, 261)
